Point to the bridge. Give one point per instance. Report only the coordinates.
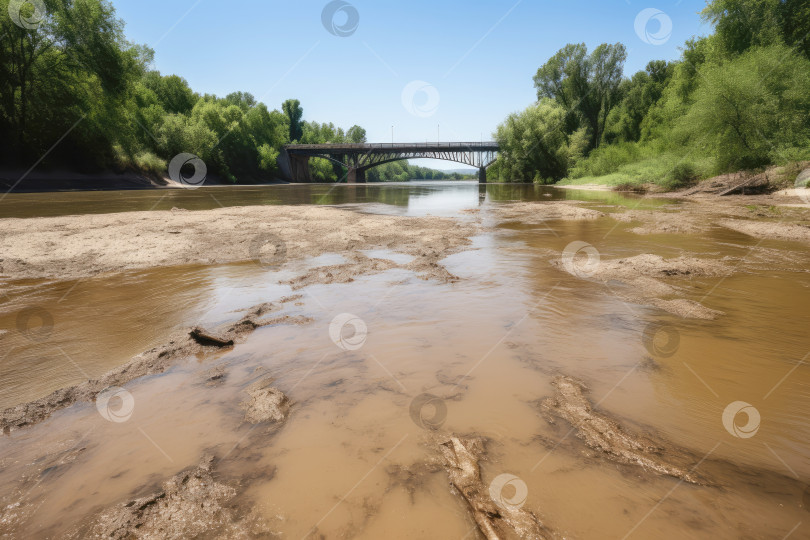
(358, 158)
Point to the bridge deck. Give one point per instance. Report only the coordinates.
(358, 158)
(486, 146)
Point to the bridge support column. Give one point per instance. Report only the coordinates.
(482, 175)
(356, 176)
(299, 166)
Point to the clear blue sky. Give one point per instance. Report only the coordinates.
(479, 56)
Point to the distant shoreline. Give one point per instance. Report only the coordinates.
(55, 182)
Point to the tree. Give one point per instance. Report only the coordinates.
(534, 144)
(587, 86)
(639, 94)
(172, 92)
(70, 61)
(796, 17)
(292, 108)
(743, 24)
(356, 135)
(754, 109)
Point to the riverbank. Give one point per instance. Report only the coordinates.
(779, 180)
(21, 181)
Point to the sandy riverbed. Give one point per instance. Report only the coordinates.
(73, 247)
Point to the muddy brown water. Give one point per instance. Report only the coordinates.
(487, 346)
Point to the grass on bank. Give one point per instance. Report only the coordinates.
(632, 166)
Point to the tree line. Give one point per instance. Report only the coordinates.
(736, 99)
(69, 76)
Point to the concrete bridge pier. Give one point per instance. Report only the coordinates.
(482, 175)
(356, 176)
(299, 166)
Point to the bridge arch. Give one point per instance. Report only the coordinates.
(358, 158)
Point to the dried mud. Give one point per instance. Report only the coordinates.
(460, 457)
(769, 230)
(534, 213)
(359, 264)
(191, 504)
(662, 222)
(647, 279)
(266, 404)
(612, 441)
(71, 247)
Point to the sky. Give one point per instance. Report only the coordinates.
(447, 70)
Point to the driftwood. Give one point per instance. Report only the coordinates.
(755, 181)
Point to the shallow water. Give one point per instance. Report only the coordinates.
(487, 346)
(411, 198)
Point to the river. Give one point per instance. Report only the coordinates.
(350, 460)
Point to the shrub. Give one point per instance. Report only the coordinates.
(752, 110)
(149, 162)
(683, 173)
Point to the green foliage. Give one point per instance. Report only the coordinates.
(684, 173)
(171, 93)
(533, 143)
(743, 24)
(322, 170)
(292, 109)
(402, 171)
(76, 76)
(739, 98)
(356, 135)
(607, 159)
(751, 110)
(76, 64)
(587, 86)
(639, 94)
(649, 167)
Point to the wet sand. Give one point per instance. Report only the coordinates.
(232, 481)
(79, 246)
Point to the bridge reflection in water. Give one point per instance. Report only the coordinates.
(358, 158)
